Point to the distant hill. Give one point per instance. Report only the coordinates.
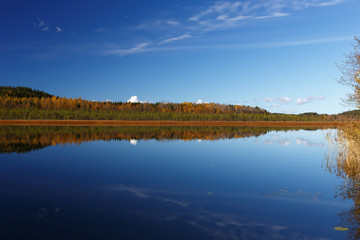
(353, 113)
(309, 114)
(22, 92)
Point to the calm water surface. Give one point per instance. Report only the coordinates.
(227, 183)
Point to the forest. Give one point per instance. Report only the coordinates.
(27, 103)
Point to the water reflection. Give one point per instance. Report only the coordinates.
(343, 160)
(297, 194)
(214, 224)
(164, 189)
(21, 139)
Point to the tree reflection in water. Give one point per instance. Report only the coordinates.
(343, 160)
(20, 139)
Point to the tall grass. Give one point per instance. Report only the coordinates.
(343, 160)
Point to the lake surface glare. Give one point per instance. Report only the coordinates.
(227, 183)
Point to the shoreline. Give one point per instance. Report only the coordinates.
(168, 123)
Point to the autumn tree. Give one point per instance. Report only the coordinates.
(350, 69)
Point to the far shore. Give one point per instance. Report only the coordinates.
(169, 123)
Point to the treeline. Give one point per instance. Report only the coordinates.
(26, 103)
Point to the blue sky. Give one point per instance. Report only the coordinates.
(280, 55)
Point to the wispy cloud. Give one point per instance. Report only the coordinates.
(141, 47)
(299, 4)
(41, 24)
(283, 100)
(300, 101)
(99, 30)
(172, 22)
(181, 37)
(329, 3)
(233, 47)
(44, 26)
(268, 100)
(225, 14)
(219, 7)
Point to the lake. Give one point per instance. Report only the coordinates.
(169, 183)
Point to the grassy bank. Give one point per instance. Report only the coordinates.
(169, 123)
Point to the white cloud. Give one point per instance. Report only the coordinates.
(199, 101)
(275, 105)
(283, 100)
(171, 22)
(58, 29)
(181, 37)
(268, 100)
(300, 101)
(133, 99)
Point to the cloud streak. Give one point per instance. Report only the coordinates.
(223, 15)
(141, 47)
(232, 13)
(181, 37)
(305, 100)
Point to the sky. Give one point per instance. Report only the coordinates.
(280, 55)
